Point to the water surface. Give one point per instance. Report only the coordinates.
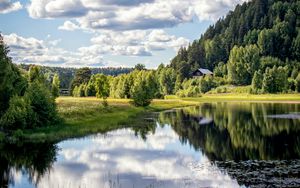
(233, 144)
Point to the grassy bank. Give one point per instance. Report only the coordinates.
(242, 97)
(83, 116)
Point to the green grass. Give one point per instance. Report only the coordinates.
(248, 97)
(83, 116)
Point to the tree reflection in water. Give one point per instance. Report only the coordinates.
(244, 139)
(34, 159)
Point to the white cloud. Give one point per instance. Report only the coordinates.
(131, 15)
(134, 43)
(68, 26)
(56, 8)
(34, 51)
(6, 6)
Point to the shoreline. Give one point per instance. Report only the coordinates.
(86, 116)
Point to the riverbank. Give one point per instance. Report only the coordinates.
(83, 116)
(223, 97)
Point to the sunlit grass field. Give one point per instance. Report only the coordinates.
(83, 116)
(242, 97)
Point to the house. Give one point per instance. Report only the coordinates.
(201, 72)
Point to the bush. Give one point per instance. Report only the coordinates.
(43, 105)
(275, 80)
(17, 115)
(142, 91)
(297, 82)
(256, 85)
(206, 84)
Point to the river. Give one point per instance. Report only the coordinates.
(222, 144)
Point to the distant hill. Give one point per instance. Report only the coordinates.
(273, 25)
(66, 74)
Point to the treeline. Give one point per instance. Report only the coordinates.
(141, 85)
(260, 37)
(67, 74)
(27, 99)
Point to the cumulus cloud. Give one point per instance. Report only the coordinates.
(34, 51)
(56, 8)
(68, 26)
(134, 43)
(121, 15)
(6, 6)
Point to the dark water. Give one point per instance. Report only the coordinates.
(211, 145)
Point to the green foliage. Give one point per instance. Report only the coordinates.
(142, 91)
(36, 108)
(167, 79)
(82, 76)
(270, 62)
(35, 74)
(271, 25)
(297, 81)
(139, 67)
(195, 86)
(24, 104)
(275, 80)
(42, 104)
(206, 84)
(11, 81)
(243, 62)
(190, 88)
(79, 91)
(18, 115)
(220, 70)
(257, 82)
(102, 86)
(55, 86)
(90, 89)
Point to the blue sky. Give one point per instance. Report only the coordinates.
(97, 33)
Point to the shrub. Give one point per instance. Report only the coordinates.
(256, 85)
(17, 115)
(275, 80)
(297, 83)
(206, 84)
(142, 91)
(43, 105)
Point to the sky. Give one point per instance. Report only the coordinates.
(104, 33)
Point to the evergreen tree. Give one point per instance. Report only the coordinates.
(55, 86)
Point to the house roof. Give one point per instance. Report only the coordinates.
(205, 71)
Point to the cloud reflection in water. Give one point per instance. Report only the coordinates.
(121, 159)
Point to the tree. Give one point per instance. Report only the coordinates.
(139, 66)
(55, 86)
(23, 103)
(275, 80)
(167, 81)
(243, 62)
(35, 74)
(257, 81)
(270, 62)
(141, 91)
(11, 81)
(220, 70)
(206, 84)
(298, 83)
(102, 87)
(82, 76)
